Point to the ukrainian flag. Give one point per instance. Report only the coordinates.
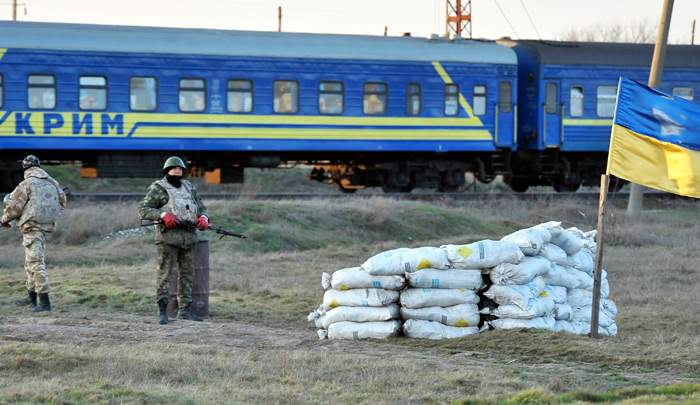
(655, 140)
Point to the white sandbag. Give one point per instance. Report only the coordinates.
(364, 330)
(563, 312)
(604, 288)
(554, 227)
(483, 254)
(361, 314)
(419, 329)
(583, 260)
(536, 307)
(576, 327)
(521, 273)
(437, 297)
(584, 314)
(584, 280)
(611, 330)
(357, 277)
(424, 258)
(316, 314)
(553, 253)
(568, 241)
(515, 294)
(462, 315)
(432, 278)
(530, 240)
(578, 297)
(536, 323)
(609, 307)
(385, 263)
(322, 334)
(555, 292)
(560, 275)
(364, 297)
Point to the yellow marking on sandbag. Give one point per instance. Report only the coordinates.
(462, 324)
(334, 304)
(424, 264)
(343, 288)
(464, 252)
(544, 294)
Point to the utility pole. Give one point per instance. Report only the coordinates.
(634, 205)
(459, 17)
(14, 10)
(692, 34)
(279, 19)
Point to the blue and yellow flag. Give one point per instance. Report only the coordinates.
(655, 140)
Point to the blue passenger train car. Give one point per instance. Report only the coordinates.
(567, 93)
(393, 112)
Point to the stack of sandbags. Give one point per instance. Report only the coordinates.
(564, 260)
(357, 305)
(443, 303)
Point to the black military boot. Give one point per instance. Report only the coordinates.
(43, 305)
(30, 299)
(187, 313)
(163, 315)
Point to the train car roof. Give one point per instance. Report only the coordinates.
(606, 54)
(190, 41)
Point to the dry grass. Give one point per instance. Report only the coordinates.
(258, 348)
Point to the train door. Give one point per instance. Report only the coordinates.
(551, 115)
(504, 129)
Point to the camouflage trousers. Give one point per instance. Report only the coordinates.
(170, 258)
(34, 243)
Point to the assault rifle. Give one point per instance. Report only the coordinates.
(190, 225)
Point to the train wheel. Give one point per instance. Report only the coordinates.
(566, 188)
(518, 184)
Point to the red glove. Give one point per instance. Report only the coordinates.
(202, 223)
(5, 225)
(170, 220)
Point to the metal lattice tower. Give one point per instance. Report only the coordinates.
(459, 17)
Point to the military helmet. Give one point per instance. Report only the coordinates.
(173, 161)
(30, 161)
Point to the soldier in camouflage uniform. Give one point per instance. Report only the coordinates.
(36, 204)
(169, 201)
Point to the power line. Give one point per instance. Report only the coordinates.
(508, 21)
(531, 22)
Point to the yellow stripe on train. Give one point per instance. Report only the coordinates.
(197, 125)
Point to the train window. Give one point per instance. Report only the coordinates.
(413, 99)
(374, 98)
(143, 93)
(2, 92)
(330, 98)
(550, 98)
(286, 97)
(451, 99)
(41, 92)
(92, 92)
(683, 92)
(576, 101)
(239, 96)
(605, 100)
(192, 95)
(505, 97)
(479, 99)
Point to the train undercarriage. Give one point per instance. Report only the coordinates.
(393, 173)
(565, 172)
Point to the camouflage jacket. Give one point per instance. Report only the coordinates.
(154, 205)
(36, 203)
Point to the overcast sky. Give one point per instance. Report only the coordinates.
(545, 19)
